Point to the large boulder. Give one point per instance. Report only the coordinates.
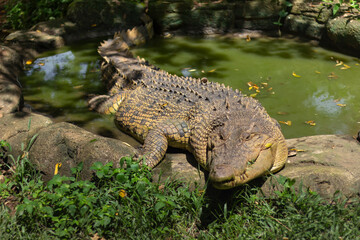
(324, 164)
(304, 25)
(344, 33)
(40, 41)
(10, 89)
(89, 14)
(59, 143)
(18, 128)
(69, 145)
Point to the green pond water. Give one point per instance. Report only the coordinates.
(308, 89)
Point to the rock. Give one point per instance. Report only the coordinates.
(10, 89)
(54, 27)
(180, 166)
(316, 10)
(90, 14)
(19, 128)
(68, 144)
(305, 26)
(324, 163)
(37, 40)
(344, 33)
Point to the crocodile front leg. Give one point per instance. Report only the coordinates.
(173, 132)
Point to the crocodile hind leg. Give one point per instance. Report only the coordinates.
(173, 132)
(106, 104)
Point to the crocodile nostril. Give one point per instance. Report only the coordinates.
(221, 173)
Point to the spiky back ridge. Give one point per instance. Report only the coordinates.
(136, 72)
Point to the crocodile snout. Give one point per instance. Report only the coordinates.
(222, 173)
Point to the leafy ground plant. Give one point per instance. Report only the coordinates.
(123, 203)
(25, 13)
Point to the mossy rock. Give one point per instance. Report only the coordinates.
(88, 14)
(344, 33)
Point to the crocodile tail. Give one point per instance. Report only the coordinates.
(106, 104)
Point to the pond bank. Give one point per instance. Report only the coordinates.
(72, 144)
(253, 18)
(315, 160)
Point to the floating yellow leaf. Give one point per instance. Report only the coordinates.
(339, 63)
(212, 70)
(357, 64)
(38, 31)
(122, 193)
(282, 113)
(57, 167)
(311, 122)
(28, 62)
(192, 70)
(286, 123)
(345, 67)
(295, 75)
(41, 64)
(317, 72)
(341, 105)
(93, 25)
(248, 38)
(265, 84)
(253, 95)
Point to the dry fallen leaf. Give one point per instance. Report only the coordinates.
(311, 122)
(28, 62)
(212, 70)
(248, 38)
(341, 104)
(282, 113)
(317, 72)
(57, 167)
(332, 75)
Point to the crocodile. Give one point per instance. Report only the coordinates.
(231, 135)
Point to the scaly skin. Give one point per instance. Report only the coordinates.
(230, 135)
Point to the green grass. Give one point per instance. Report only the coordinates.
(123, 203)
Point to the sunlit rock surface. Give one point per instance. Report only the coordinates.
(323, 163)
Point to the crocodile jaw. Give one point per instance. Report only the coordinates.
(260, 167)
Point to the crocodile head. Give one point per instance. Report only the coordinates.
(240, 151)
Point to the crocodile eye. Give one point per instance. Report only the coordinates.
(246, 136)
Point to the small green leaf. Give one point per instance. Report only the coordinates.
(96, 166)
(336, 8)
(100, 174)
(120, 177)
